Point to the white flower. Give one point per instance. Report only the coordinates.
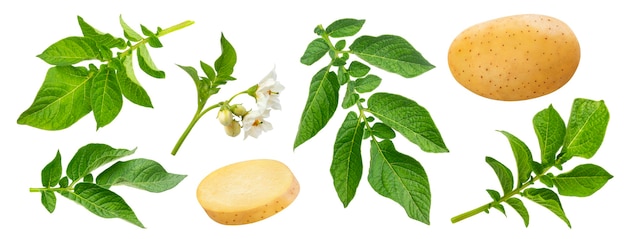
(254, 123)
(267, 92)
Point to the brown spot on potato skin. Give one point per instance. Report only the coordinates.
(528, 56)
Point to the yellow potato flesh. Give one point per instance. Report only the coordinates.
(515, 58)
(247, 191)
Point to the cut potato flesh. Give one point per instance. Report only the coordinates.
(247, 191)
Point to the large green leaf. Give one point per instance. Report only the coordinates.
(320, 106)
(225, 63)
(550, 130)
(48, 200)
(582, 181)
(62, 99)
(139, 173)
(548, 199)
(102, 202)
(505, 176)
(586, 128)
(391, 53)
(130, 86)
(347, 166)
(92, 156)
(344, 27)
(71, 50)
(401, 178)
(129, 33)
(519, 207)
(104, 39)
(146, 64)
(409, 119)
(314, 51)
(523, 157)
(106, 96)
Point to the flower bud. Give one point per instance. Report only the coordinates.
(225, 116)
(238, 110)
(233, 129)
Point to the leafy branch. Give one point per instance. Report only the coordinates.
(79, 186)
(391, 173)
(70, 91)
(581, 137)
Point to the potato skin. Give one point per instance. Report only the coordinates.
(515, 58)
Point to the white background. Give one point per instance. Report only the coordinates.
(274, 33)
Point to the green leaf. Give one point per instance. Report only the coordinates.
(409, 119)
(51, 173)
(225, 64)
(586, 128)
(129, 33)
(130, 86)
(391, 53)
(505, 176)
(48, 200)
(367, 83)
(549, 199)
(523, 157)
(71, 50)
(64, 182)
(347, 165)
(342, 75)
(153, 39)
(519, 207)
(92, 156)
(208, 70)
(102, 202)
(320, 106)
(358, 69)
(547, 179)
(401, 178)
(104, 39)
(500, 208)
(146, 64)
(314, 51)
(106, 96)
(550, 130)
(62, 100)
(582, 181)
(495, 195)
(344, 27)
(350, 98)
(383, 131)
(139, 173)
(340, 45)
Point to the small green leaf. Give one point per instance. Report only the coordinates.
(64, 182)
(342, 75)
(225, 63)
(547, 180)
(549, 199)
(62, 100)
(523, 157)
(48, 200)
(495, 195)
(71, 50)
(391, 53)
(401, 178)
(344, 27)
(88, 178)
(106, 96)
(550, 130)
(505, 176)
(51, 173)
(104, 39)
(367, 83)
(383, 131)
(130, 86)
(92, 156)
(208, 70)
(102, 202)
(586, 128)
(347, 165)
(519, 207)
(582, 181)
(139, 173)
(314, 51)
(146, 64)
(153, 39)
(409, 119)
(358, 69)
(129, 33)
(320, 106)
(340, 45)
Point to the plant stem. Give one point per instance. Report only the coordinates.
(160, 34)
(194, 120)
(471, 213)
(35, 190)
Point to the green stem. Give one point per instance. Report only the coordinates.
(194, 120)
(471, 213)
(159, 34)
(35, 190)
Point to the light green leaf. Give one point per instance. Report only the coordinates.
(106, 96)
(582, 181)
(383, 131)
(51, 173)
(347, 165)
(550, 130)
(367, 83)
(320, 106)
(409, 119)
(104, 39)
(505, 176)
(523, 157)
(129, 33)
(153, 39)
(130, 86)
(495, 195)
(225, 63)
(344, 27)
(71, 50)
(92, 156)
(146, 64)
(208, 70)
(48, 200)
(358, 69)
(586, 128)
(519, 207)
(401, 178)
(314, 51)
(549, 199)
(102, 202)
(139, 173)
(391, 53)
(62, 100)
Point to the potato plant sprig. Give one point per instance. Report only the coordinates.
(378, 117)
(233, 116)
(95, 195)
(581, 137)
(71, 90)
